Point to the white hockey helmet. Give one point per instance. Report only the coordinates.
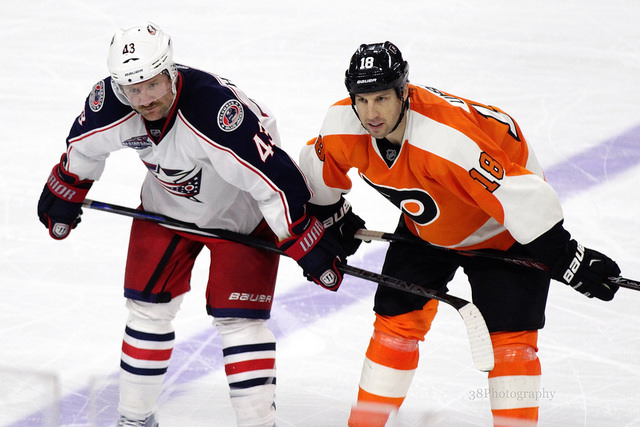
(138, 54)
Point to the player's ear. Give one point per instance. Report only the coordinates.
(405, 92)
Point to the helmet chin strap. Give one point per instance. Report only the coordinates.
(405, 105)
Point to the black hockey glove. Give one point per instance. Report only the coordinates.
(60, 204)
(317, 252)
(585, 270)
(339, 220)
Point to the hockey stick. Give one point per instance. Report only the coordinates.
(478, 334)
(368, 235)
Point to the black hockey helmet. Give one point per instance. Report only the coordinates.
(376, 67)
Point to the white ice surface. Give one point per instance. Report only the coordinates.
(567, 71)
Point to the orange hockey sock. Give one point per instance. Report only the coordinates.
(514, 383)
(390, 364)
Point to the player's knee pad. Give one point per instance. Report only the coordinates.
(515, 353)
(152, 317)
(389, 365)
(235, 330)
(412, 325)
(400, 346)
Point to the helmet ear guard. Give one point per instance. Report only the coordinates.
(138, 54)
(376, 67)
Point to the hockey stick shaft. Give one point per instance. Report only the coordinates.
(251, 241)
(368, 235)
(479, 338)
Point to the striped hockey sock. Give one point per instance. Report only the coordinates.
(144, 362)
(249, 351)
(514, 383)
(390, 364)
(388, 370)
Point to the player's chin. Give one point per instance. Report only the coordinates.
(378, 132)
(151, 117)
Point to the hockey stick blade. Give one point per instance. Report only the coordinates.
(478, 334)
(368, 235)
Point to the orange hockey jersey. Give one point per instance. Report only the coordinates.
(464, 177)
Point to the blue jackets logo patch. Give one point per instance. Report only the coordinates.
(230, 115)
(178, 182)
(96, 97)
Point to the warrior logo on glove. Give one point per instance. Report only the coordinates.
(60, 204)
(60, 230)
(317, 252)
(329, 279)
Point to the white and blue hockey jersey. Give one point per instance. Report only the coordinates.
(215, 162)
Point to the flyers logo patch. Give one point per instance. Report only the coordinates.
(230, 115)
(96, 97)
(319, 148)
(416, 203)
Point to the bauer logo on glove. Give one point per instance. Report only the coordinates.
(575, 264)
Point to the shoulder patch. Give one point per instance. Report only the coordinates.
(319, 148)
(230, 115)
(96, 97)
